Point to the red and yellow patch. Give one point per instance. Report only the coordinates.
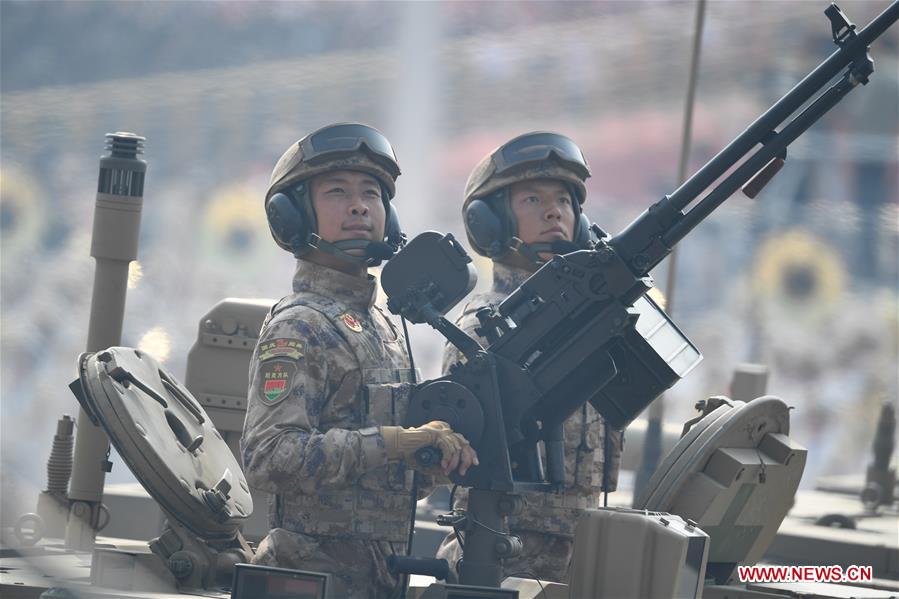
(351, 322)
(281, 348)
(276, 379)
(274, 389)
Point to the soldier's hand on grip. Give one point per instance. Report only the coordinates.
(402, 443)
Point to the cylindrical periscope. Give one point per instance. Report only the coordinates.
(114, 241)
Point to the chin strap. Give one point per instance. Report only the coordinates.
(532, 251)
(375, 251)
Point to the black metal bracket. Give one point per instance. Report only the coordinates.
(842, 28)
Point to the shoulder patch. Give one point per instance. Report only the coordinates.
(276, 380)
(281, 348)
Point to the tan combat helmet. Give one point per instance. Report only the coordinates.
(349, 146)
(491, 228)
(341, 146)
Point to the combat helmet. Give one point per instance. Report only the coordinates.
(341, 146)
(489, 223)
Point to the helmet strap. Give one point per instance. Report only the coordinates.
(338, 249)
(531, 251)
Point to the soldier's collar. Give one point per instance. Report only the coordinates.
(507, 279)
(356, 292)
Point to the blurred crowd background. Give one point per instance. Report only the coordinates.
(802, 279)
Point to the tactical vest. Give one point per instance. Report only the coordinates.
(377, 506)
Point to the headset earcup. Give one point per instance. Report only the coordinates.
(287, 223)
(485, 229)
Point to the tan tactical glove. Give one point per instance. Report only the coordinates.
(402, 443)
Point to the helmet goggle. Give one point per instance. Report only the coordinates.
(349, 137)
(534, 147)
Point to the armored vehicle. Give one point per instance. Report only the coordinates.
(715, 503)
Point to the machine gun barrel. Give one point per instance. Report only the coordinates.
(664, 223)
(582, 328)
(853, 49)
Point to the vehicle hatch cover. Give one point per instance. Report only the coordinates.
(166, 439)
(735, 474)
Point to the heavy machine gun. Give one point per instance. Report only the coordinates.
(582, 328)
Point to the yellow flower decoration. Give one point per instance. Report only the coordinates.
(798, 269)
(234, 223)
(21, 219)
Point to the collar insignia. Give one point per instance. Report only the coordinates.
(351, 322)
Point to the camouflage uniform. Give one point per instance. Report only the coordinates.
(546, 524)
(329, 368)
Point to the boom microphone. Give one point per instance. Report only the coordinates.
(379, 250)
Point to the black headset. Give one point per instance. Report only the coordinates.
(490, 225)
(294, 226)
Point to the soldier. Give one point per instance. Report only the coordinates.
(330, 376)
(522, 205)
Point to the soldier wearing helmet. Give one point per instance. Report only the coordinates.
(330, 376)
(523, 203)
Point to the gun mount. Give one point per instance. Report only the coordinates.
(581, 328)
(169, 443)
